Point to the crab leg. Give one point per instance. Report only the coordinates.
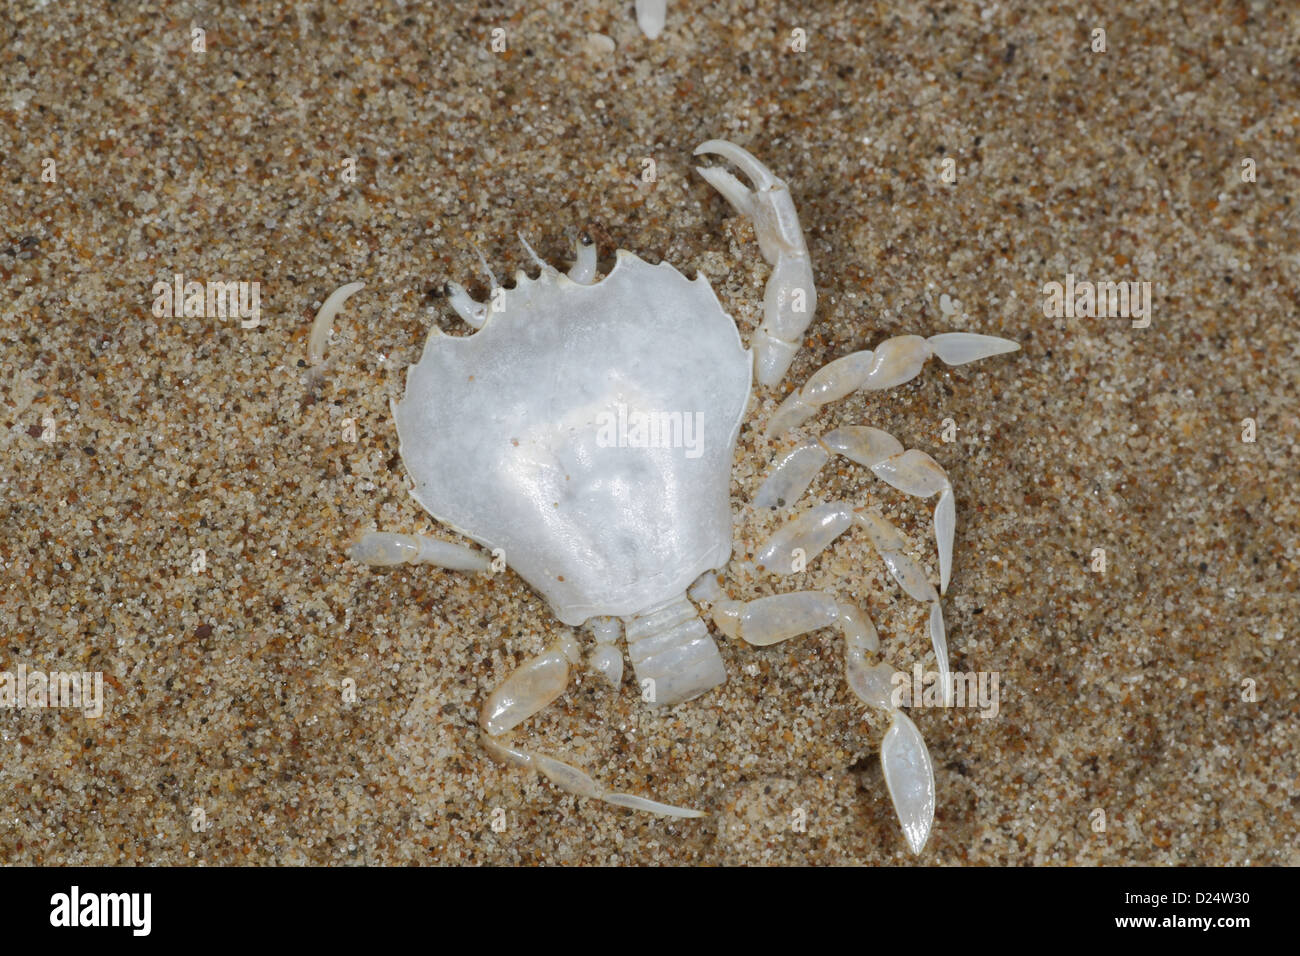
(790, 298)
(385, 549)
(909, 777)
(778, 618)
(912, 472)
(894, 361)
(904, 759)
(814, 530)
(890, 546)
(534, 684)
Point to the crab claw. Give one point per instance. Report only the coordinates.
(790, 299)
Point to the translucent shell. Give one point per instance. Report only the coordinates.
(588, 432)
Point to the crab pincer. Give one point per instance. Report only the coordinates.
(790, 299)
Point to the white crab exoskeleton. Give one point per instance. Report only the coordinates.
(587, 429)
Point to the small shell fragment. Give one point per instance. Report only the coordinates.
(324, 321)
(599, 45)
(650, 16)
